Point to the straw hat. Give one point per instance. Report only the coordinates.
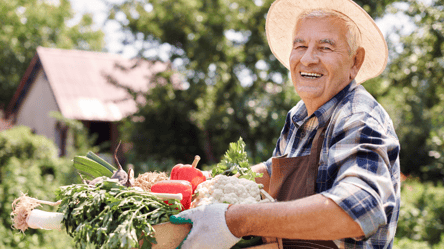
(281, 22)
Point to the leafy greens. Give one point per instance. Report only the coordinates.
(235, 161)
(110, 215)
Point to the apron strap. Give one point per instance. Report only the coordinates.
(313, 161)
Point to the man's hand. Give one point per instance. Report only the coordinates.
(209, 227)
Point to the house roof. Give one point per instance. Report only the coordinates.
(80, 81)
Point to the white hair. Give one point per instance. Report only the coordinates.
(353, 33)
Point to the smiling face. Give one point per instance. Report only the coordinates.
(320, 61)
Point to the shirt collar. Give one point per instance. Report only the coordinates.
(324, 112)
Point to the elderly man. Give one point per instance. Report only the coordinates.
(335, 169)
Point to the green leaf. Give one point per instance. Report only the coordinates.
(235, 161)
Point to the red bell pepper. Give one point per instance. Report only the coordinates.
(175, 187)
(189, 173)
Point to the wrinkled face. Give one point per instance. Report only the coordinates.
(320, 60)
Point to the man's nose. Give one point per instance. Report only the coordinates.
(309, 57)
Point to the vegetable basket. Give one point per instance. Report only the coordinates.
(169, 236)
(115, 210)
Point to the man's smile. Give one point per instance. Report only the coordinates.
(311, 75)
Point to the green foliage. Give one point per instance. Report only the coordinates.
(235, 161)
(41, 240)
(32, 23)
(110, 215)
(220, 105)
(421, 218)
(236, 86)
(29, 164)
(406, 243)
(414, 94)
(20, 143)
(161, 129)
(375, 8)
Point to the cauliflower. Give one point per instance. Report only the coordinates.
(227, 189)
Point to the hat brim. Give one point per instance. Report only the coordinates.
(281, 21)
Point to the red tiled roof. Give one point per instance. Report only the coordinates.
(81, 87)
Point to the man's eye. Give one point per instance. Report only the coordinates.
(326, 48)
(299, 47)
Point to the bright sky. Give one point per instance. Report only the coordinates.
(113, 37)
(98, 8)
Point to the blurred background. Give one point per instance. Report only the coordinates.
(79, 76)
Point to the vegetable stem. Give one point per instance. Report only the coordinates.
(196, 161)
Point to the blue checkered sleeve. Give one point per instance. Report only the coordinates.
(365, 155)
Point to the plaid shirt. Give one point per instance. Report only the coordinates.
(359, 163)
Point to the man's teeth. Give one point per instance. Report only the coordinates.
(311, 75)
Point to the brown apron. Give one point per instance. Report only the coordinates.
(295, 178)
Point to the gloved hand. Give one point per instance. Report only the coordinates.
(209, 229)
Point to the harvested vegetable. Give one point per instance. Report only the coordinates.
(233, 181)
(108, 215)
(175, 187)
(227, 189)
(189, 173)
(111, 215)
(21, 209)
(39, 219)
(93, 165)
(235, 162)
(120, 174)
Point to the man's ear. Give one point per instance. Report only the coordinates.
(358, 60)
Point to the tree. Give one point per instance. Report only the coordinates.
(237, 86)
(27, 24)
(416, 92)
(161, 128)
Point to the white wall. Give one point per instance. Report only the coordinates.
(35, 108)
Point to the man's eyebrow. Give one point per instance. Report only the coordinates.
(298, 40)
(329, 41)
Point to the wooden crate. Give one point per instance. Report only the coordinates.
(169, 236)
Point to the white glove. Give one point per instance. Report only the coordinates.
(209, 229)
